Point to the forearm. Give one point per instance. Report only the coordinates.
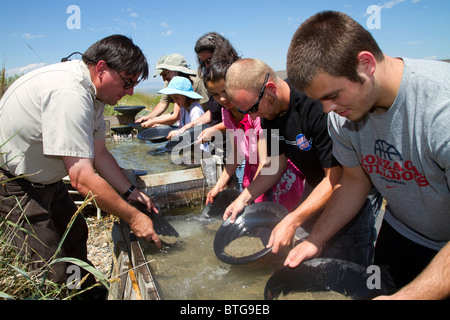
(107, 198)
(220, 126)
(317, 199)
(167, 119)
(107, 167)
(434, 281)
(87, 182)
(346, 200)
(226, 175)
(263, 182)
(203, 119)
(159, 110)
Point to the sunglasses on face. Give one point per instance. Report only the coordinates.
(254, 109)
(207, 61)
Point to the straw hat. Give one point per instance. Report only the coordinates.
(181, 85)
(173, 62)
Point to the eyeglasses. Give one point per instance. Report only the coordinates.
(128, 84)
(207, 61)
(256, 105)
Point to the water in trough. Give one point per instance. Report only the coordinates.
(190, 269)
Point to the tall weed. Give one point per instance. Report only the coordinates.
(18, 281)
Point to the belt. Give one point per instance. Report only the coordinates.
(35, 185)
(38, 185)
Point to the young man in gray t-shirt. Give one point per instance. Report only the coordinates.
(388, 128)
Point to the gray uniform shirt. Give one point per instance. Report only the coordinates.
(406, 152)
(47, 114)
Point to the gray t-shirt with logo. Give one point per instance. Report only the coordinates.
(406, 152)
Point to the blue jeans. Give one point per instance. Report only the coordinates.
(356, 241)
(240, 175)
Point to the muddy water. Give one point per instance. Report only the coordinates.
(132, 153)
(191, 270)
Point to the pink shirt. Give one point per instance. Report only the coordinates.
(289, 189)
(246, 134)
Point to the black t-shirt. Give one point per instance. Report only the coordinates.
(216, 111)
(303, 136)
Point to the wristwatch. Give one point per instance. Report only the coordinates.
(130, 191)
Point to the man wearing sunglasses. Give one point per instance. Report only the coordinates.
(51, 126)
(298, 126)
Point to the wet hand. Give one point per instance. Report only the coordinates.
(173, 134)
(212, 194)
(142, 227)
(205, 136)
(140, 196)
(281, 236)
(232, 210)
(303, 251)
(143, 119)
(147, 124)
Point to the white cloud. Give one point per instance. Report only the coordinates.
(167, 32)
(30, 36)
(390, 4)
(130, 12)
(25, 69)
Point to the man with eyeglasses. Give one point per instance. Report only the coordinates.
(51, 126)
(298, 126)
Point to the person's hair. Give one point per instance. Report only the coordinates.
(120, 53)
(220, 48)
(184, 75)
(328, 42)
(217, 71)
(248, 75)
(189, 102)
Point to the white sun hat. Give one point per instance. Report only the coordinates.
(173, 62)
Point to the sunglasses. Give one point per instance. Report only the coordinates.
(256, 105)
(207, 61)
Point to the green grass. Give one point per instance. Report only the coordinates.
(5, 81)
(18, 282)
(138, 99)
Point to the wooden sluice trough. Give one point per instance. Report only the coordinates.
(168, 190)
(133, 278)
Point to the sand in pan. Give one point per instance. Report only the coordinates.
(244, 246)
(313, 295)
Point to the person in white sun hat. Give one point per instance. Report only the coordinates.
(168, 67)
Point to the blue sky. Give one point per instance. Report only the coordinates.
(35, 33)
